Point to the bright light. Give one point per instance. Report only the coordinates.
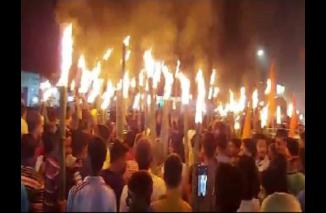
(35, 100)
(260, 52)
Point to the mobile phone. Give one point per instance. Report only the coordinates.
(201, 180)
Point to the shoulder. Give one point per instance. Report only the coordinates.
(77, 188)
(156, 205)
(185, 206)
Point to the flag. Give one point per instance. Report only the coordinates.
(294, 119)
(246, 132)
(271, 97)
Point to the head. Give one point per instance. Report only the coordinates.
(50, 142)
(28, 147)
(293, 147)
(97, 154)
(130, 139)
(250, 179)
(261, 146)
(234, 147)
(209, 145)
(79, 144)
(172, 171)
(118, 156)
(274, 179)
(176, 144)
(249, 147)
(228, 188)
(281, 140)
(35, 124)
(143, 154)
(280, 202)
(140, 188)
(222, 142)
(23, 111)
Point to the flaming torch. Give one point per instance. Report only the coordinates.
(66, 61)
(278, 115)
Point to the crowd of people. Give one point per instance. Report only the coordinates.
(107, 174)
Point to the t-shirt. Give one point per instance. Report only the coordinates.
(295, 182)
(115, 181)
(171, 203)
(34, 185)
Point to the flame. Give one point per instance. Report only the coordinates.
(141, 78)
(136, 104)
(222, 111)
(242, 101)
(264, 116)
(237, 125)
(66, 55)
(107, 54)
(49, 92)
(72, 85)
(97, 84)
(157, 74)
(278, 115)
(125, 89)
(119, 85)
(126, 40)
(200, 103)
(232, 104)
(213, 76)
(45, 85)
(290, 109)
(255, 99)
(168, 82)
(149, 63)
(127, 56)
(86, 77)
(280, 89)
(149, 100)
(107, 95)
(185, 87)
(268, 86)
(133, 83)
(215, 92)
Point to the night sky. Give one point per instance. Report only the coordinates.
(242, 26)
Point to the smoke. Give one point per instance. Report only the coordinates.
(185, 30)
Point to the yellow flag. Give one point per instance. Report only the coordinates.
(246, 133)
(294, 119)
(271, 97)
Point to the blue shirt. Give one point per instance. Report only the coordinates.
(92, 195)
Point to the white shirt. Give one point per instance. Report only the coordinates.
(249, 206)
(159, 189)
(92, 195)
(23, 126)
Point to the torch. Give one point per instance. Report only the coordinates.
(66, 61)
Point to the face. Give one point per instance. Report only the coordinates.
(232, 150)
(261, 147)
(280, 144)
(122, 163)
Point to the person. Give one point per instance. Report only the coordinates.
(31, 179)
(207, 203)
(281, 142)
(176, 143)
(23, 123)
(262, 160)
(234, 149)
(35, 128)
(113, 176)
(129, 141)
(172, 202)
(228, 188)
(280, 202)
(23, 199)
(301, 198)
(93, 195)
(222, 156)
(144, 156)
(250, 184)
(274, 179)
(140, 188)
(302, 152)
(249, 147)
(295, 179)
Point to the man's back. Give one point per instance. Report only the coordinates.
(171, 203)
(115, 181)
(93, 195)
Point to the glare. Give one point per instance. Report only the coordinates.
(260, 52)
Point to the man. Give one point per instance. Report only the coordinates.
(32, 180)
(23, 123)
(93, 195)
(262, 160)
(280, 202)
(172, 202)
(35, 128)
(234, 149)
(222, 156)
(281, 142)
(113, 176)
(209, 146)
(144, 157)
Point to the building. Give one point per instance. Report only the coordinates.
(30, 84)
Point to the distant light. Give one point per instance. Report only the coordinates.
(70, 98)
(260, 52)
(35, 100)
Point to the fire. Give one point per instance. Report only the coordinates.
(149, 63)
(211, 83)
(280, 90)
(168, 82)
(185, 87)
(264, 116)
(149, 100)
(268, 86)
(126, 40)
(72, 85)
(107, 54)
(242, 101)
(127, 56)
(278, 115)
(45, 85)
(201, 93)
(107, 95)
(237, 125)
(141, 78)
(216, 91)
(66, 55)
(125, 89)
(255, 99)
(133, 83)
(97, 84)
(157, 74)
(136, 105)
(290, 110)
(85, 81)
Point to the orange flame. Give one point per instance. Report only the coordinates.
(200, 103)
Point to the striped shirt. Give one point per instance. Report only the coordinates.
(51, 194)
(34, 185)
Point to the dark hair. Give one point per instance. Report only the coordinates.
(23, 109)
(79, 140)
(250, 179)
(117, 150)
(28, 147)
(50, 141)
(143, 154)
(228, 188)
(222, 141)
(33, 119)
(130, 138)
(140, 188)
(209, 145)
(274, 179)
(96, 153)
(103, 132)
(293, 146)
(172, 171)
(250, 146)
(177, 144)
(236, 142)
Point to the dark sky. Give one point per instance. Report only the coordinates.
(241, 27)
